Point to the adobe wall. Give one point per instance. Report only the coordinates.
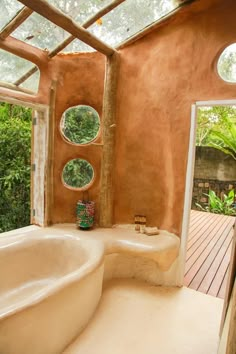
(80, 81)
(161, 75)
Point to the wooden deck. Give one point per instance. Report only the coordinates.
(208, 252)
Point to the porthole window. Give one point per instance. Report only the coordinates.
(77, 174)
(80, 124)
(226, 65)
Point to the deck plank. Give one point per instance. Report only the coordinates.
(208, 252)
(222, 290)
(217, 281)
(209, 268)
(206, 231)
(202, 252)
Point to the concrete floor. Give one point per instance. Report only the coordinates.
(136, 318)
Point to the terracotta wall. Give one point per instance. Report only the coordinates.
(161, 75)
(80, 81)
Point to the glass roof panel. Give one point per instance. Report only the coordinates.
(8, 10)
(32, 83)
(130, 18)
(13, 67)
(78, 46)
(79, 10)
(40, 32)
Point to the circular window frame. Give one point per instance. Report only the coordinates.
(78, 189)
(67, 140)
(220, 52)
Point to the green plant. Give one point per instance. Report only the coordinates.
(219, 206)
(224, 141)
(15, 146)
(81, 124)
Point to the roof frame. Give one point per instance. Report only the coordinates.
(43, 8)
(71, 38)
(77, 32)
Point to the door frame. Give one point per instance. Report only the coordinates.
(189, 178)
(37, 213)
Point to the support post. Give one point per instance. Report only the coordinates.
(50, 156)
(109, 124)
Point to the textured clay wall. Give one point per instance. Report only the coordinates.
(80, 81)
(161, 75)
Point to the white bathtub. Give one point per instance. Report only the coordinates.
(49, 289)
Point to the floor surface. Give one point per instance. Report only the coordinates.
(136, 318)
(208, 252)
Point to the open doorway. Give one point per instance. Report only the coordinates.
(210, 185)
(24, 161)
(15, 166)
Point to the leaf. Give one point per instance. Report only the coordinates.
(99, 22)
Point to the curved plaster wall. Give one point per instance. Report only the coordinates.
(80, 82)
(161, 76)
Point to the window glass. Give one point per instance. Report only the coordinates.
(227, 64)
(77, 173)
(80, 124)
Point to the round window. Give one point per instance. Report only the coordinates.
(77, 173)
(226, 65)
(80, 124)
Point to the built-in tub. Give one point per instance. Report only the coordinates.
(49, 289)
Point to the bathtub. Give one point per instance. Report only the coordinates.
(50, 287)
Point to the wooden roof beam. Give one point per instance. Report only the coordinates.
(15, 88)
(86, 24)
(43, 8)
(20, 17)
(24, 50)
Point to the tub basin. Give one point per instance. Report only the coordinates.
(50, 288)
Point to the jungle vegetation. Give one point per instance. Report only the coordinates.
(15, 151)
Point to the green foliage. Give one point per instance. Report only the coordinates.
(15, 149)
(80, 124)
(77, 173)
(224, 139)
(214, 118)
(219, 206)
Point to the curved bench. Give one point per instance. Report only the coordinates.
(163, 248)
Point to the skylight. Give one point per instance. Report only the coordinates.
(13, 67)
(8, 9)
(79, 10)
(129, 18)
(39, 32)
